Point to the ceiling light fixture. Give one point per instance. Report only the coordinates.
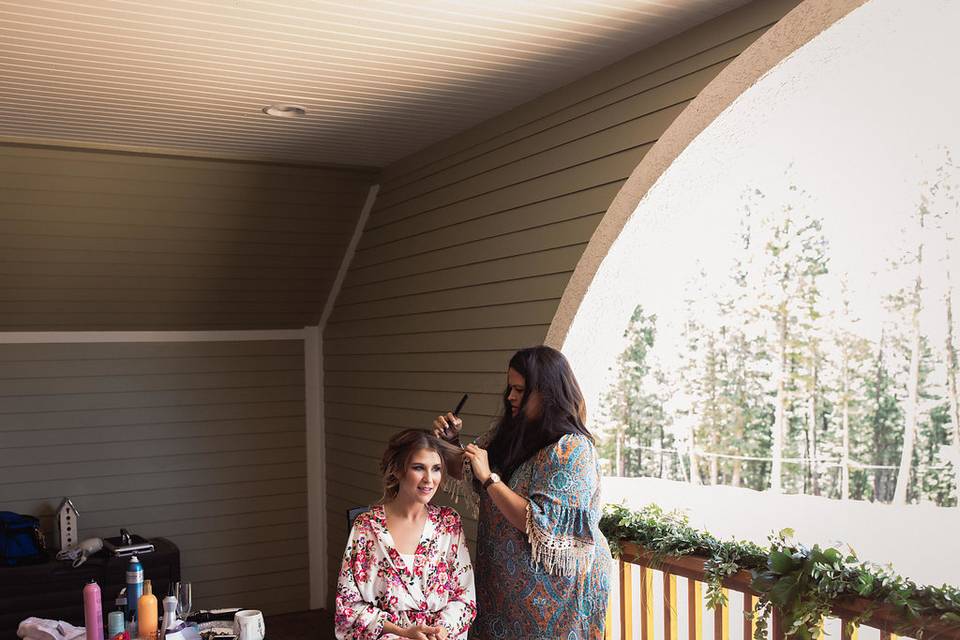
(285, 111)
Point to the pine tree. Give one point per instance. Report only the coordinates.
(883, 416)
(854, 354)
(812, 263)
(947, 218)
(785, 273)
(634, 405)
(910, 302)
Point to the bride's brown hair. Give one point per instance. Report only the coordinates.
(400, 449)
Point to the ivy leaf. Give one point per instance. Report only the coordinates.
(864, 583)
(833, 556)
(780, 562)
(783, 593)
(763, 581)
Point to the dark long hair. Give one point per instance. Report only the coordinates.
(563, 410)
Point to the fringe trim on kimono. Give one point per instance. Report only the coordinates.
(558, 555)
(462, 490)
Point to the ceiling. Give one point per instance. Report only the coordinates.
(380, 79)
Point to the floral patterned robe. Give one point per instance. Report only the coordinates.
(552, 580)
(376, 585)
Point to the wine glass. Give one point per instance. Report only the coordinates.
(184, 594)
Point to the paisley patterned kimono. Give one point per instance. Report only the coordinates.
(552, 580)
(376, 585)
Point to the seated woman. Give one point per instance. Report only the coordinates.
(406, 572)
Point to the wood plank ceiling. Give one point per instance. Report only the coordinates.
(380, 79)
(224, 217)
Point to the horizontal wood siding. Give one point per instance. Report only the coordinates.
(109, 241)
(471, 243)
(200, 442)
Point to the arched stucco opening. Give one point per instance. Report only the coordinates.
(650, 207)
(795, 29)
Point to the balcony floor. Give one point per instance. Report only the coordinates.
(316, 624)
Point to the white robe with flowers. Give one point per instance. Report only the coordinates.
(376, 585)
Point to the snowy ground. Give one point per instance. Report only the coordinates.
(922, 542)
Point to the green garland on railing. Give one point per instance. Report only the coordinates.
(802, 582)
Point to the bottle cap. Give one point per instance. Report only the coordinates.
(134, 559)
(147, 588)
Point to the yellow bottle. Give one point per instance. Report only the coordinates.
(147, 613)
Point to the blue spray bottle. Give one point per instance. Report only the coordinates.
(134, 586)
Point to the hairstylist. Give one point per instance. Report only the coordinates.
(542, 565)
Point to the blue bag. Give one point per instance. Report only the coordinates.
(21, 540)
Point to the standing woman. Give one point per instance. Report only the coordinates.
(542, 565)
(406, 571)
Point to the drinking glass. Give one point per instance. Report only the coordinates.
(184, 595)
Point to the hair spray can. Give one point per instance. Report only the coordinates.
(134, 586)
(93, 611)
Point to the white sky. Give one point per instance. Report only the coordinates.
(860, 116)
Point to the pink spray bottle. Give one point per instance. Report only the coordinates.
(93, 611)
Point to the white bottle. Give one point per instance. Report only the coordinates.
(169, 614)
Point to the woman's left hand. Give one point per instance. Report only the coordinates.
(478, 462)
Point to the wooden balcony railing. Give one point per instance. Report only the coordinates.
(635, 623)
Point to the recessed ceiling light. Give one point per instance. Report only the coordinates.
(285, 111)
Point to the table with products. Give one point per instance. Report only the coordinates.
(53, 589)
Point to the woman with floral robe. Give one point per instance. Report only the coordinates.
(381, 593)
(542, 564)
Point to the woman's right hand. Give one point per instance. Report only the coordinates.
(420, 632)
(447, 427)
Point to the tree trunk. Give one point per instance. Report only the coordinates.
(814, 464)
(845, 426)
(954, 428)
(878, 450)
(776, 472)
(735, 480)
(619, 451)
(913, 388)
(662, 447)
(694, 463)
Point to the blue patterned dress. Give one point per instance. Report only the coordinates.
(553, 580)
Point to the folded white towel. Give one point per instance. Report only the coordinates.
(43, 629)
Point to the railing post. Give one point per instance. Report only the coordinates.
(776, 625)
(608, 622)
(669, 609)
(847, 632)
(646, 603)
(749, 624)
(721, 629)
(626, 601)
(694, 608)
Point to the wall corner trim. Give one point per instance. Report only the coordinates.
(316, 428)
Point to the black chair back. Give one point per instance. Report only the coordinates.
(352, 515)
